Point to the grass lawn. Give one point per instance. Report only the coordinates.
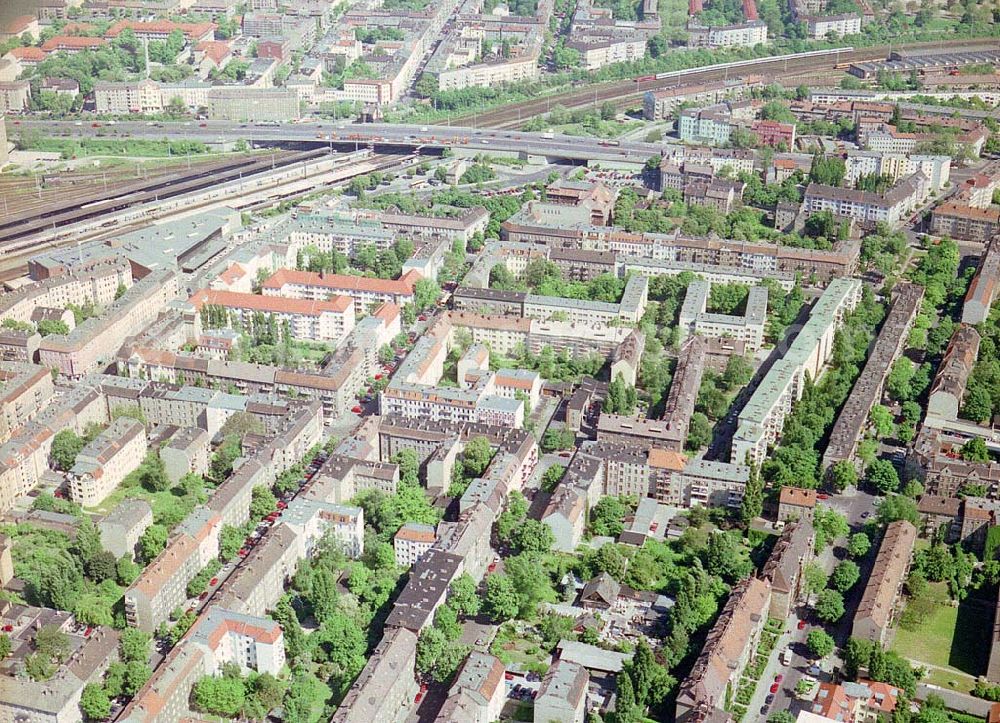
(943, 639)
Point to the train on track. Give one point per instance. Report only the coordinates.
(835, 52)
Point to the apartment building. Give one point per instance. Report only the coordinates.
(683, 394)
(562, 695)
(795, 504)
(103, 464)
(748, 327)
(97, 339)
(948, 387)
(386, 687)
(184, 452)
(484, 75)
(712, 125)
(248, 641)
(24, 390)
(891, 207)
(937, 169)
(312, 520)
(877, 609)
(849, 428)
(366, 292)
(729, 647)
(819, 27)
(141, 96)
(661, 104)
(478, 693)
(704, 482)
(982, 290)
(166, 695)
(72, 44)
(597, 51)
(259, 582)
(54, 698)
(785, 567)
(964, 222)
(122, 527)
(762, 419)
(15, 96)
(774, 134)
(162, 586)
(740, 35)
(412, 541)
(532, 226)
(244, 104)
(162, 29)
(306, 319)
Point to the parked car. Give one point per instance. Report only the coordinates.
(774, 687)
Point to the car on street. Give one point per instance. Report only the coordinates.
(778, 678)
(774, 687)
(801, 625)
(769, 699)
(763, 710)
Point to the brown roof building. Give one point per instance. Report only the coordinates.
(795, 503)
(948, 388)
(983, 287)
(730, 645)
(877, 610)
(867, 391)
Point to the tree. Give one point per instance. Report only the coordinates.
(501, 601)
(781, 716)
(829, 606)
(819, 643)
(463, 596)
(222, 696)
(898, 507)
(882, 475)
(699, 432)
(975, 450)
(843, 475)
(844, 576)
(858, 545)
(882, 420)
(153, 473)
(978, 404)
(134, 645)
(52, 326)
(830, 525)
(94, 702)
(477, 455)
(625, 705)
(262, 502)
(6, 646)
(152, 542)
(66, 445)
(752, 504)
(533, 536)
(727, 556)
(815, 578)
(606, 517)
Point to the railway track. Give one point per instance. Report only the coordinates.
(14, 227)
(14, 264)
(511, 116)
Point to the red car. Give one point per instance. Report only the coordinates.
(822, 496)
(774, 687)
(88, 631)
(282, 504)
(356, 409)
(802, 625)
(214, 581)
(242, 552)
(422, 317)
(203, 595)
(508, 676)
(492, 567)
(778, 678)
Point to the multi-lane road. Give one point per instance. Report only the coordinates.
(351, 135)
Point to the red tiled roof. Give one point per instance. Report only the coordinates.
(274, 304)
(72, 41)
(31, 54)
(402, 285)
(190, 30)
